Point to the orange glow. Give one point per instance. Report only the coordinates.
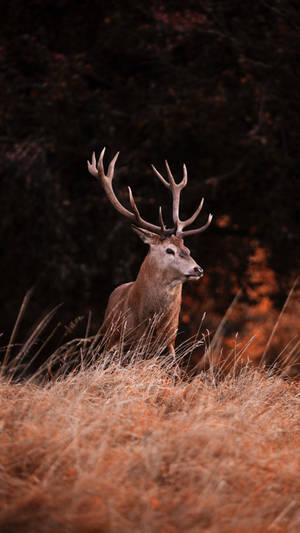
(255, 320)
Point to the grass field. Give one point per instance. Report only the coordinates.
(135, 448)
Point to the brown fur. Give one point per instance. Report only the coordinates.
(152, 295)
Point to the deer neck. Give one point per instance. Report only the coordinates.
(152, 277)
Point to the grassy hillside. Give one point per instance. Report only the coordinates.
(135, 448)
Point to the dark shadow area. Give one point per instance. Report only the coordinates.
(212, 85)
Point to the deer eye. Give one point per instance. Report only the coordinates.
(170, 251)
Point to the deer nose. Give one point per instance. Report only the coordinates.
(198, 271)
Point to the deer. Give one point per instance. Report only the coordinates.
(157, 290)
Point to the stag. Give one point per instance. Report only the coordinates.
(157, 290)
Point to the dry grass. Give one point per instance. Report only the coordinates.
(133, 448)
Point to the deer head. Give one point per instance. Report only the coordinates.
(170, 257)
(167, 251)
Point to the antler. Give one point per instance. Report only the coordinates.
(176, 189)
(97, 170)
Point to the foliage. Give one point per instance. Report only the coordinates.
(135, 448)
(214, 84)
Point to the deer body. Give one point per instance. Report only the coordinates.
(140, 304)
(156, 293)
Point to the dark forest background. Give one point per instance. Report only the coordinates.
(212, 84)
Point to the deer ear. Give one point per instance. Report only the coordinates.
(147, 236)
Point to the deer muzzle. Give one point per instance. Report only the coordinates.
(195, 273)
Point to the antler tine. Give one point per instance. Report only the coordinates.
(162, 179)
(170, 175)
(185, 176)
(134, 207)
(161, 220)
(197, 230)
(92, 166)
(111, 166)
(183, 223)
(100, 165)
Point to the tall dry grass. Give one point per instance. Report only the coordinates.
(125, 444)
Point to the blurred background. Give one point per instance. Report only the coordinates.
(211, 84)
